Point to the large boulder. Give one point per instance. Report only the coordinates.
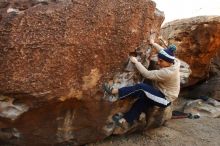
(54, 57)
(215, 65)
(209, 88)
(198, 40)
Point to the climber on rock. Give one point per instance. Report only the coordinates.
(166, 87)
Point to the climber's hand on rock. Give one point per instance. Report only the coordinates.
(133, 59)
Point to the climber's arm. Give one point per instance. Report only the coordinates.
(155, 45)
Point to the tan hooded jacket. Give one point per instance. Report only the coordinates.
(167, 79)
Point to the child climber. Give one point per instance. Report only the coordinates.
(166, 83)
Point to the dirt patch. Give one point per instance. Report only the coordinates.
(178, 132)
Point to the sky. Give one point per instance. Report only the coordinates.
(177, 9)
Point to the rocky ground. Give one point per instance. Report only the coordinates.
(176, 132)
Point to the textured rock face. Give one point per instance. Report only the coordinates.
(53, 58)
(58, 48)
(208, 108)
(211, 87)
(215, 65)
(198, 40)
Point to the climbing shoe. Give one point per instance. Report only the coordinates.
(121, 125)
(108, 88)
(117, 117)
(108, 93)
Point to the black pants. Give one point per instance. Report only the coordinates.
(147, 96)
